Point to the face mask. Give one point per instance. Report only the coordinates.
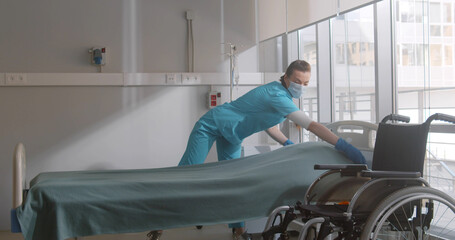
(296, 90)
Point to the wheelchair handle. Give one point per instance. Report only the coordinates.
(396, 117)
(441, 117)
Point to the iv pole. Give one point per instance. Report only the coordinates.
(232, 68)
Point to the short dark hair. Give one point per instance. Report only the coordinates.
(299, 65)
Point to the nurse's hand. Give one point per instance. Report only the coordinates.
(350, 151)
(288, 142)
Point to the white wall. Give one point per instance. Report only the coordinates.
(54, 36)
(79, 128)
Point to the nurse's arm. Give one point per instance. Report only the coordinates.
(276, 134)
(323, 133)
(301, 119)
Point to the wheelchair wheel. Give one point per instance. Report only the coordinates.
(412, 213)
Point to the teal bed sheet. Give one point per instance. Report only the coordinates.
(61, 205)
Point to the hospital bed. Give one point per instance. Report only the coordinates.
(61, 205)
(360, 134)
(389, 201)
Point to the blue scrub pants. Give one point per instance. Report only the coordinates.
(199, 143)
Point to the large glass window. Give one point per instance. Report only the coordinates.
(425, 77)
(353, 61)
(423, 34)
(308, 52)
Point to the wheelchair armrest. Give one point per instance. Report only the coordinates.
(390, 174)
(350, 167)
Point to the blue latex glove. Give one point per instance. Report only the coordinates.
(288, 142)
(350, 151)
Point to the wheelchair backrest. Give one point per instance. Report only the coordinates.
(402, 147)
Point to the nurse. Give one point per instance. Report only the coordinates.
(262, 108)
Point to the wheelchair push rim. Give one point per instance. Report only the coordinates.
(412, 213)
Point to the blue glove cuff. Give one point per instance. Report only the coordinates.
(350, 151)
(288, 142)
(341, 144)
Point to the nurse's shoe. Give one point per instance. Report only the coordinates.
(154, 235)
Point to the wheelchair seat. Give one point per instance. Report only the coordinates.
(335, 211)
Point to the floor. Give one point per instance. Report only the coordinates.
(218, 232)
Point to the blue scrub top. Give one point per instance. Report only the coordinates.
(257, 110)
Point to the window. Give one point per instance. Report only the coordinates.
(308, 52)
(448, 55)
(448, 31)
(339, 54)
(424, 70)
(435, 12)
(411, 54)
(435, 30)
(407, 12)
(425, 86)
(447, 13)
(354, 65)
(435, 54)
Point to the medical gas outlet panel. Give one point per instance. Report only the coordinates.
(98, 56)
(213, 99)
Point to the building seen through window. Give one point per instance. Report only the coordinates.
(353, 55)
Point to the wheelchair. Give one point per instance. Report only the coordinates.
(390, 201)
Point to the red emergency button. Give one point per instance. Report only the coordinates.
(213, 97)
(213, 103)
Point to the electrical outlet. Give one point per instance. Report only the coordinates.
(16, 79)
(191, 78)
(171, 79)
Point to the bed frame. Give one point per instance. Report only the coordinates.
(19, 184)
(359, 133)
